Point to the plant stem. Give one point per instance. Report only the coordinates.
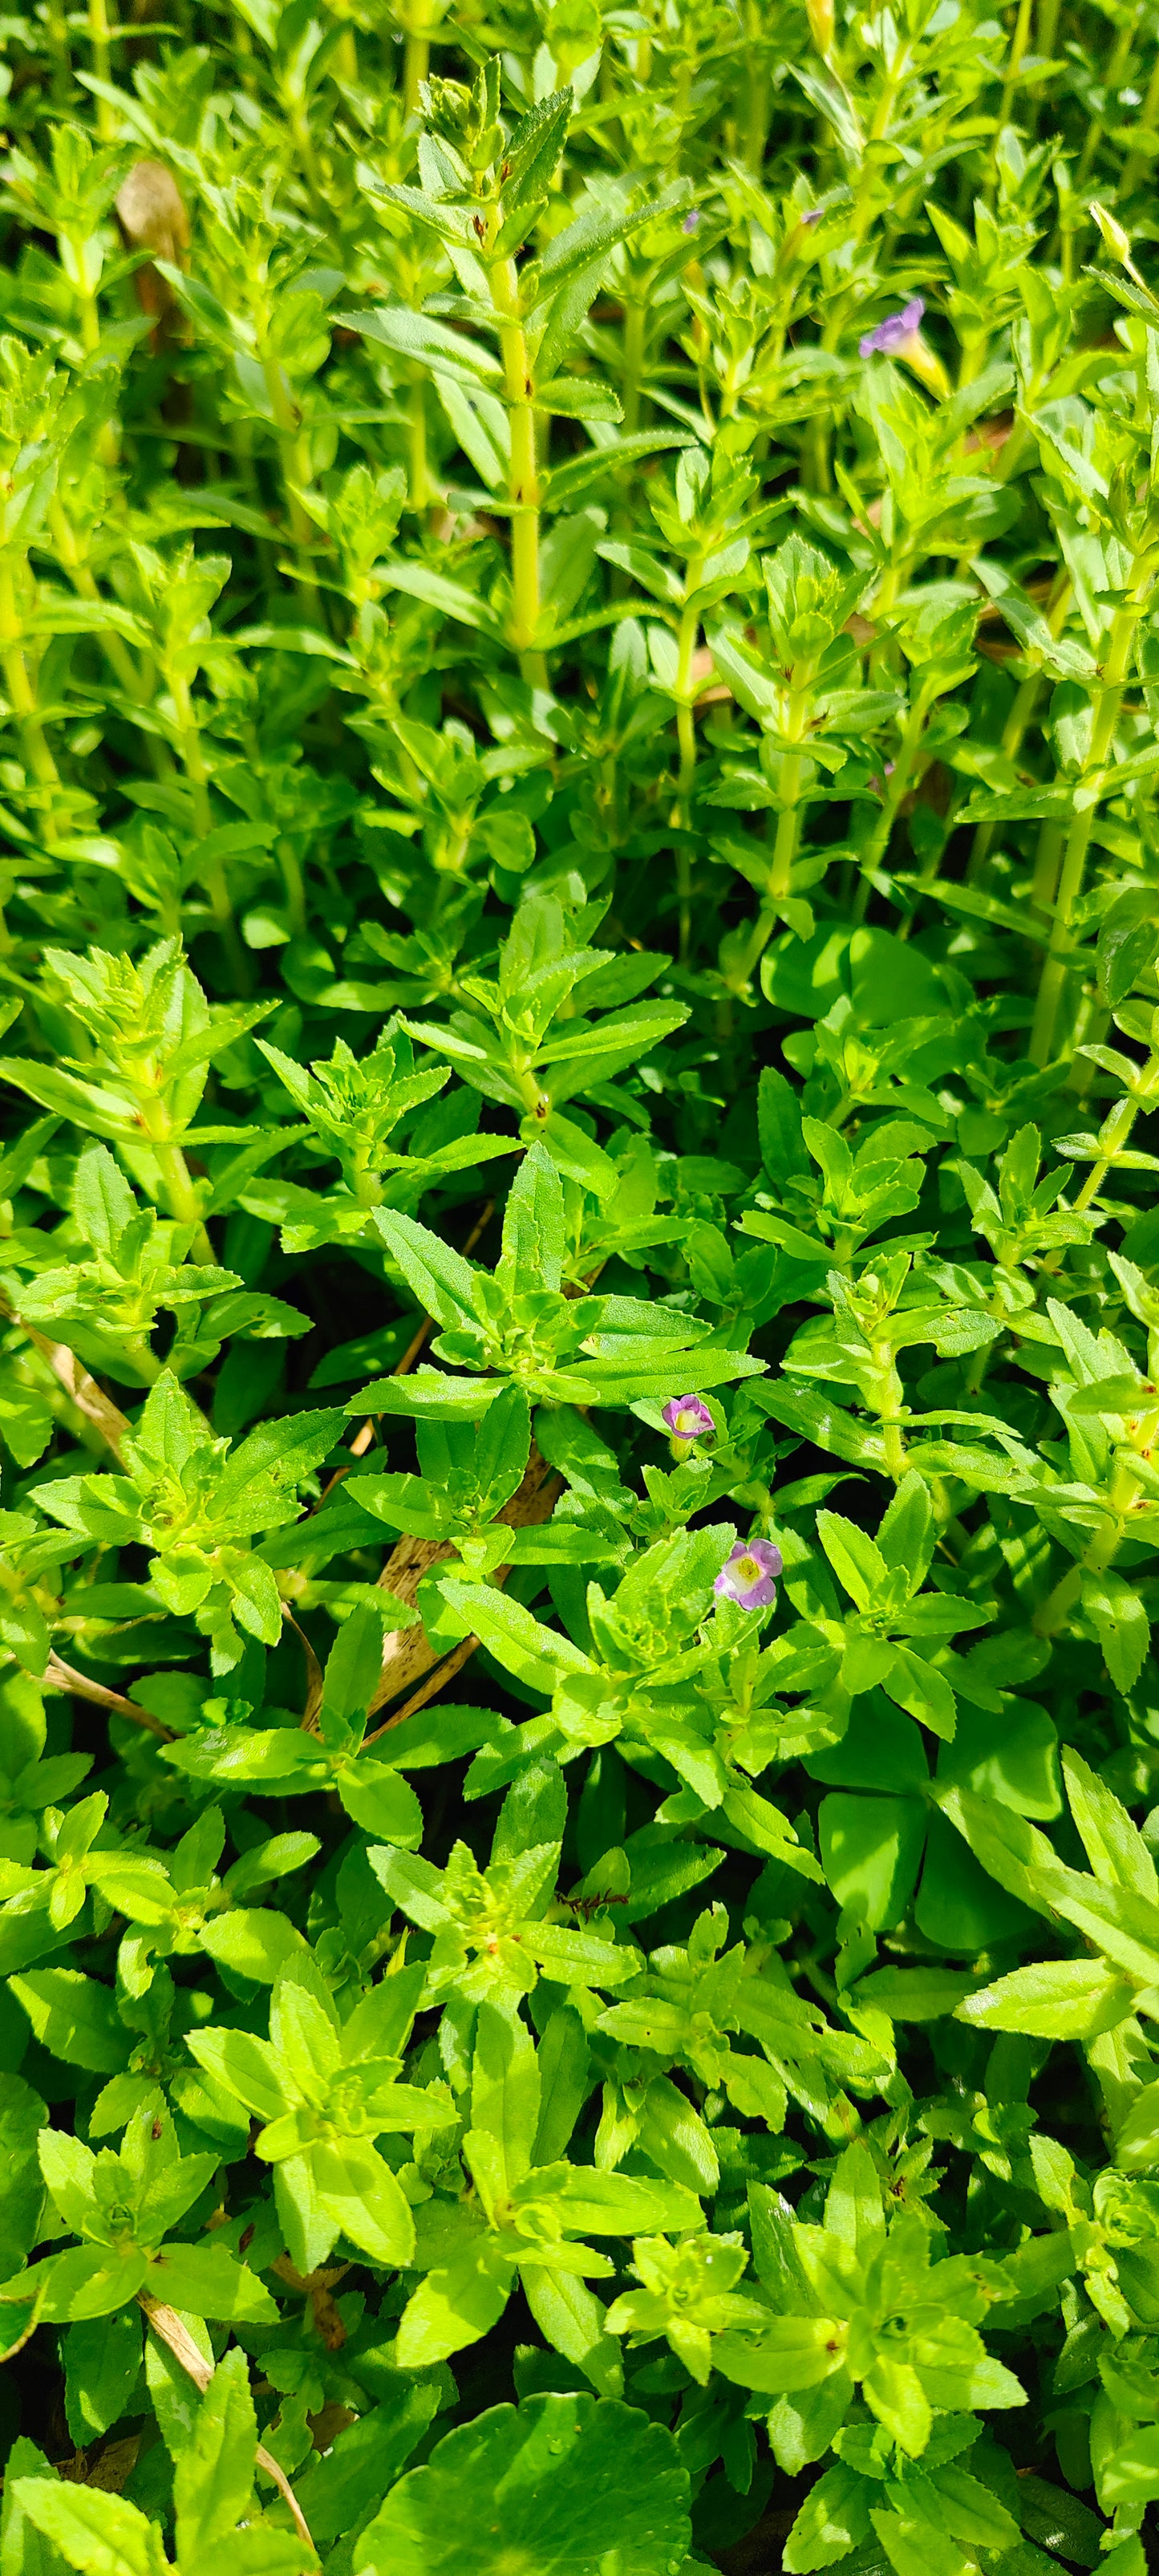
(1018, 47)
(1117, 70)
(757, 117)
(177, 1181)
(634, 318)
(296, 470)
(686, 740)
(419, 494)
(1137, 162)
(99, 33)
(897, 786)
(22, 696)
(58, 37)
(1053, 1613)
(1108, 704)
(418, 57)
(788, 830)
(524, 485)
(137, 685)
(212, 870)
(1117, 1126)
(1047, 862)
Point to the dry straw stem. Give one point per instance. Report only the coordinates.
(170, 2330)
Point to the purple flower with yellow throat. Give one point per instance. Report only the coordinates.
(749, 1574)
(890, 338)
(688, 1419)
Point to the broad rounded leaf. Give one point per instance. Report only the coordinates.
(545, 2489)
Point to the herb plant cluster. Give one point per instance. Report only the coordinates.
(579, 1766)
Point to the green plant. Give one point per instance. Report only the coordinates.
(579, 1297)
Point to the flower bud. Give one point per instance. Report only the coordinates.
(1118, 242)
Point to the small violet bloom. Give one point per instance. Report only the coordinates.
(690, 221)
(750, 1574)
(687, 1418)
(891, 335)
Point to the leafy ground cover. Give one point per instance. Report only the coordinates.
(580, 1285)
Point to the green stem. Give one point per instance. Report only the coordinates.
(21, 694)
(788, 832)
(1019, 42)
(757, 116)
(898, 784)
(212, 871)
(99, 35)
(1047, 862)
(1047, 30)
(1053, 1613)
(1116, 74)
(290, 870)
(686, 739)
(143, 1358)
(179, 1186)
(293, 448)
(633, 366)
(1056, 964)
(1137, 162)
(1117, 1126)
(524, 485)
(1013, 733)
(862, 205)
(136, 685)
(889, 1399)
(418, 62)
(58, 39)
(420, 490)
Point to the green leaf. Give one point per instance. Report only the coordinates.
(1114, 1847)
(505, 2090)
(22, 2116)
(856, 1561)
(214, 2475)
(1070, 1999)
(102, 2535)
(914, 1994)
(538, 2489)
(75, 2017)
(1137, 2142)
(833, 2520)
(1131, 2475)
(354, 1663)
(102, 2364)
(209, 2282)
(870, 1851)
(253, 1942)
(534, 1654)
(1121, 1625)
(440, 1279)
(417, 336)
(454, 2306)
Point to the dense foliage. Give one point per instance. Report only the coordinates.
(579, 1772)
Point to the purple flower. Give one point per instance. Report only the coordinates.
(812, 215)
(688, 1418)
(690, 221)
(891, 335)
(750, 1574)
